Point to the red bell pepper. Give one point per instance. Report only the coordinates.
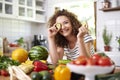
(39, 66)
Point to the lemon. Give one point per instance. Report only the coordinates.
(20, 55)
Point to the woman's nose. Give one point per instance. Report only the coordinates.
(62, 26)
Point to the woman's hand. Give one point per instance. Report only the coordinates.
(52, 31)
(82, 31)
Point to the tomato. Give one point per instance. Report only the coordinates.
(105, 61)
(4, 72)
(96, 58)
(80, 60)
(13, 45)
(91, 61)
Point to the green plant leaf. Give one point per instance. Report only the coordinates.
(106, 37)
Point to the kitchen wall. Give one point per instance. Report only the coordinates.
(13, 29)
(52, 3)
(112, 21)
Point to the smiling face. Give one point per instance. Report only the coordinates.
(66, 29)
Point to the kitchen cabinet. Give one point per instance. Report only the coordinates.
(29, 10)
(39, 10)
(6, 8)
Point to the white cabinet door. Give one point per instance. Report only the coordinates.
(39, 10)
(6, 8)
(30, 10)
(25, 9)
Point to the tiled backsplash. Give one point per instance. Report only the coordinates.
(14, 29)
(113, 26)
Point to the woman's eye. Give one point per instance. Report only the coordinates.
(66, 22)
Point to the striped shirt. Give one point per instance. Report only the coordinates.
(74, 53)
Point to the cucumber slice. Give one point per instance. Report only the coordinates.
(58, 26)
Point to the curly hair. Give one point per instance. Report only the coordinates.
(59, 39)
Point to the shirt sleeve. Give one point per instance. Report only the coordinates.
(87, 38)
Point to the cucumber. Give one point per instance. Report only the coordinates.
(63, 61)
(114, 76)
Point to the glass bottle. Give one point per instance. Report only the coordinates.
(35, 41)
(1, 46)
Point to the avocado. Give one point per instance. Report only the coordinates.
(36, 76)
(46, 75)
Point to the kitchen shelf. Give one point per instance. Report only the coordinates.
(111, 9)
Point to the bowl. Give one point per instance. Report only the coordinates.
(90, 71)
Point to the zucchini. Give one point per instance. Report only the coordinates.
(114, 76)
(63, 61)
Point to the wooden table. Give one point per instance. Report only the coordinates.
(117, 69)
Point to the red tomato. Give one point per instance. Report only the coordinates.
(96, 58)
(105, 61)
(4, 72)
(80, 60)
(13, 45)
(91, 61)
(72, 62)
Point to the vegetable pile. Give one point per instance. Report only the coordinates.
(5, 62)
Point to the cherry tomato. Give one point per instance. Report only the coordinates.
(4, 72)
(105, 61)
(91, 61)
(80, 60)
(96, 58)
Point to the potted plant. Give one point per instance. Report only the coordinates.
(107, 39)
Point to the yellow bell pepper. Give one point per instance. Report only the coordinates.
(28, 62)
(62, 72)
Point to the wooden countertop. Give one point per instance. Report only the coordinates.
(117, 69)
(7, 54)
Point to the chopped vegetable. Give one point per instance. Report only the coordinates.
(58, 26)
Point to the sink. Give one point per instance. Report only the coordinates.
(115, 56)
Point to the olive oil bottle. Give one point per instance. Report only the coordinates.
(1, 46)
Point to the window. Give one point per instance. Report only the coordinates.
(84, 10)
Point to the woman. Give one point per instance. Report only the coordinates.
(72, 39)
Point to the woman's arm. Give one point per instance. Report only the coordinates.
(88, 46)
(84, 48)
(55, 52)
